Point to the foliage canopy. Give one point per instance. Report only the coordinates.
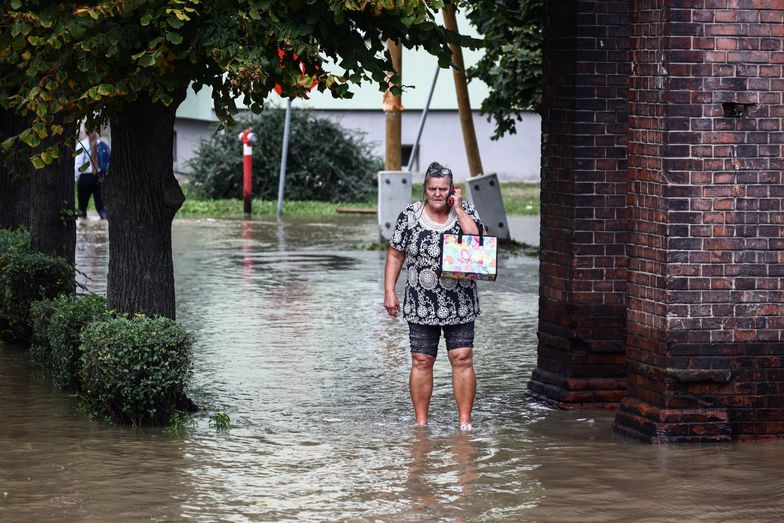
(88, 60)
(512, 63)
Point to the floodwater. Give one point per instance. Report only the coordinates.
(294, 344)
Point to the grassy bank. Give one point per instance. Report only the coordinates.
(519, 199)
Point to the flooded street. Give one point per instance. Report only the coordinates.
(292, 341)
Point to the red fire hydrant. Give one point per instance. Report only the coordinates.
(248, 139)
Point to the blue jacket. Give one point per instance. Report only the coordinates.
(104, 154)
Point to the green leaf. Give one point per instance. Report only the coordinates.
(37, 162)
(165, 98)
(174, 22)
(40, 130)
(54, 42)
(148, 60)
(16, 4)
(107, 90)
(174, 38)
(30, 138)
(145, 20)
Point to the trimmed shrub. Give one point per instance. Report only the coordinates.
(135, 370)
(326, 162)
(27, 276)
(19, 239)
(41, 312)
(60, 352)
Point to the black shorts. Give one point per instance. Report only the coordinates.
(424, 338)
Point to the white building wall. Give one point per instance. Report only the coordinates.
(513, 157)
(188, 134)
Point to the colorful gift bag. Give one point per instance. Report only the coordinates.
(469, 256)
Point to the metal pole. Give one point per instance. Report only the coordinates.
(422, 120)
(283, 156)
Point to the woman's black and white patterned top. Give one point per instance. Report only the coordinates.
(430, 300)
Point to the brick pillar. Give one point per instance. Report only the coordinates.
(583, 263)
(706, 335)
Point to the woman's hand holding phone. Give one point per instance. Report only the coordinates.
(455, 197)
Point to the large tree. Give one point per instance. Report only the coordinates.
(41, 200)
(130, 62)
(512, 62)
(15, 171)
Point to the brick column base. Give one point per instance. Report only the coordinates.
(573, 373)
(651, 424)
(567, 393)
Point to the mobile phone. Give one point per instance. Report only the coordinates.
(449, 202)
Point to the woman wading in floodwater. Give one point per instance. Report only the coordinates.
(432, 304)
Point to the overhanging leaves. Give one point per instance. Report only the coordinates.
(89, 61)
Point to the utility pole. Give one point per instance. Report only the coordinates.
(393, 108)
(463, 102)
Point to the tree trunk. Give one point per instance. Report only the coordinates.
(52, 221)
(142, 197)
(15, 169)
(463, 101)
(393, 107)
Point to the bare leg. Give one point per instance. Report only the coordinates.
(463, 382)
(420, 384)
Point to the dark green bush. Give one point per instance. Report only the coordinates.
(19, 239)
(61, 353)
(135, 370)
(325, 162)
(41, 312)
(27, 276)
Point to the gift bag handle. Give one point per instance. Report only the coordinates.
(481, 236)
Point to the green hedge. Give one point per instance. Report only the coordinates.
(27, 276)
(131, 370)
(41, 312)
(325, 162)
(135, 370)
(57, 327)
(19, 239)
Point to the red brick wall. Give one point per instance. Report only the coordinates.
(584, 215)
(706, 335)
(647, 249)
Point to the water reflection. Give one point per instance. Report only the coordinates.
(92, 255)
(441, 473)
(57, 466)
(293, 342)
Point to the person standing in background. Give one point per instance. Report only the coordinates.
(90, 168)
